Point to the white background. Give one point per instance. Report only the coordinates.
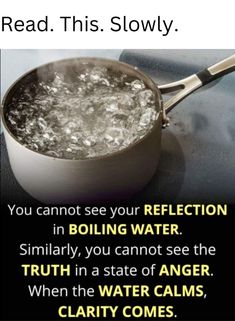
(201, 23)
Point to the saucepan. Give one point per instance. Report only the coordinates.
(113, 176)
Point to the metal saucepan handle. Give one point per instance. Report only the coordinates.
(187, 85)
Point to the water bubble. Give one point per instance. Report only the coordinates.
(98, 74)
(112, 107)
(137, 85)
(90, 110)
(52, 153)
(42, 124)
(12, 120)
(76, 137)
(145, 97)
(148, 116)
(89, 141)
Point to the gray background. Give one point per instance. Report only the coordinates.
(198, 149)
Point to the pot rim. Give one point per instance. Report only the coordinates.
(142, 76)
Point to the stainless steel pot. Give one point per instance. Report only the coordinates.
(115, 176)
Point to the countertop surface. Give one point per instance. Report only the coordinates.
(198, 149)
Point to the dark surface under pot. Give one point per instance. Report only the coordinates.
(198, 149)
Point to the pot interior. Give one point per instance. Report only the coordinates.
(70, 68)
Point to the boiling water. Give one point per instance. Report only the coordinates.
(96, 113)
